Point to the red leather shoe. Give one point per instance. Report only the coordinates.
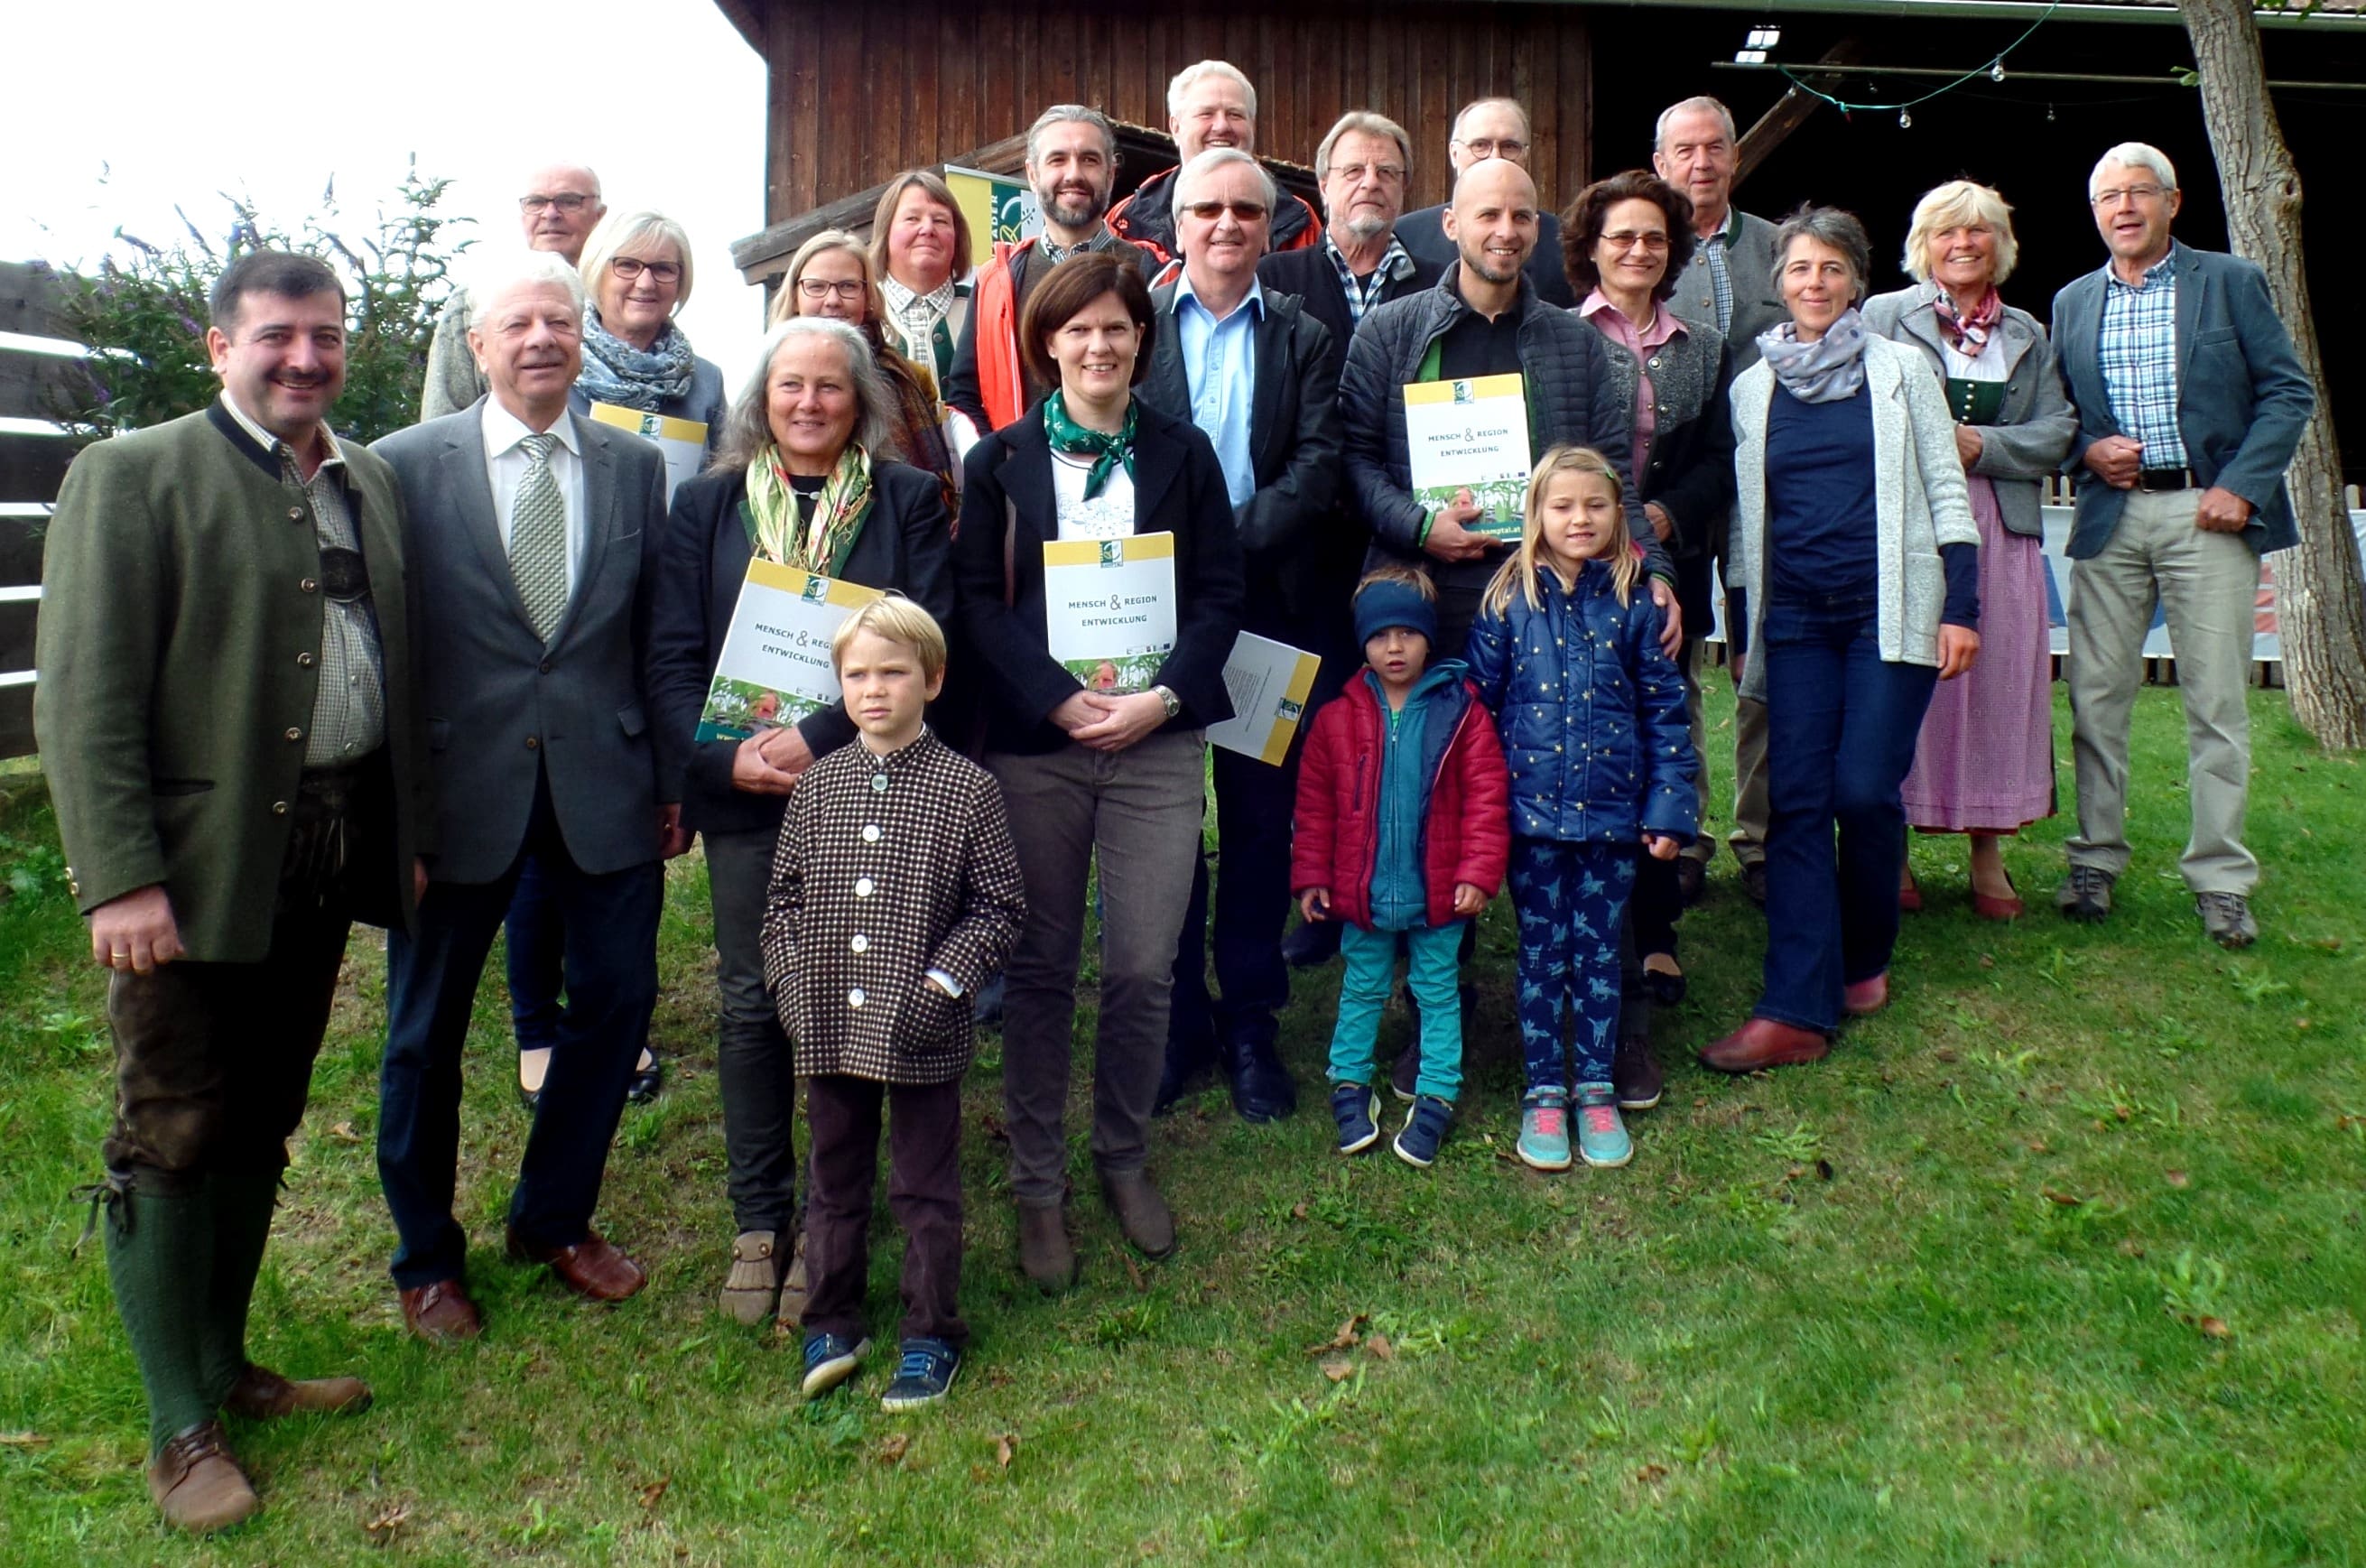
(1865, 995)
(1988, 907)
(1761, 1042)
(591, 1267)
(441, 1313)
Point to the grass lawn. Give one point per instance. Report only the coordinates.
(2060, 1259)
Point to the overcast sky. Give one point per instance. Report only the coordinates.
(122, 110)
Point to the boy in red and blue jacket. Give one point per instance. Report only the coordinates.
(1402, 831)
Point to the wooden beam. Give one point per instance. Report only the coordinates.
(1791, 111)
(747, 18)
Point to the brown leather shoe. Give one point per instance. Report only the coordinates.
(262, 1394)
(591, 1267)
(1142, 1213)
(1763, 1042)
(197, 1486)
(1045, 1254)
(441, 1313)
(1867, 996)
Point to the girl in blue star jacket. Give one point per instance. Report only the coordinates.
(1565, 652)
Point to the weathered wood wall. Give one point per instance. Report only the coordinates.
(31, 467)
(858, 92)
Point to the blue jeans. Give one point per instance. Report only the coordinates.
(1433, 973)
(611, 922)
(1841, 729)
(1570, 899)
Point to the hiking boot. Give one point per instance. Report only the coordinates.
(1356, 1109)
(1141, 1214)
(925, 1369)
(751, 1291)
(1638, 1075)
(1544, 1130)
(1045, 1254)
(2085, 895)
(1425, 1129)
(197, 1485)
(2227, 918)
(1602, 1139)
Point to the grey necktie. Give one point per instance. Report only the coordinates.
(538, 539)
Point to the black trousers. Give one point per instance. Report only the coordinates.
(923, 1193)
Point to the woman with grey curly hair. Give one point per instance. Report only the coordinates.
(799, 479)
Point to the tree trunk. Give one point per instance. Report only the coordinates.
(2320, 599)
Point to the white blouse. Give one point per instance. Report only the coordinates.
(1108, 515)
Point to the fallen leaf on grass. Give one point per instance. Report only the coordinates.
(892, 1447)
(2179, 1178)
(1943, 1053)
(2130, 1248)
(2036, 1145)
(343, 1132)
(22, 1440)
(1337, 1369)
(1134, 1272)
(1652, 1474)
(1298, 1209)
(381, 1529)
(2066, 1200)
(2215, 1327)
(1988, 960)
(1005, 1447)
(1350, 1335)
(655, 1489)
(1382, 1350)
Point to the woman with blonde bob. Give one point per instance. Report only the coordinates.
(1985, 762)
(830, 277)
(1565, 652)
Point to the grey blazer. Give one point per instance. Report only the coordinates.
(1757, 304)
(1918, 497)
(2033, 429)
(501, 708)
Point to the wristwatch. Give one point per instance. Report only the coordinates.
(1174, 703)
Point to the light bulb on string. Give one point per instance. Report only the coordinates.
(2049, 114)
(1996, 71)
(1905, 119)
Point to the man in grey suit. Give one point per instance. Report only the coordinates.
(534, 533)
(1729, 285)
(2190, 400)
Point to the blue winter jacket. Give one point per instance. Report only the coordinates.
(1591, 712)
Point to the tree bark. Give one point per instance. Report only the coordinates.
(2320, 598)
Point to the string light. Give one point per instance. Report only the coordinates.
(1905, 119)
(1993, 71)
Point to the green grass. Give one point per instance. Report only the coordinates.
(2058, 1260)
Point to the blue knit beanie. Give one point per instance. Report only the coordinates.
(1385, 605)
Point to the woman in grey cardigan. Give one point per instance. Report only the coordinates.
(1855, 588)
(1985, 765)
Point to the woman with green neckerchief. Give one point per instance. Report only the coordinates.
(794, 480)
(1093, 766)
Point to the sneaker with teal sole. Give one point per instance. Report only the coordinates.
(830, 1359)
(1601, 1137)
(1424, 1129)
(925, 1369)
(1356, 1109)
(1544, 1128)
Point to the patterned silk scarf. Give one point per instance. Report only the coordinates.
(1107, 451)
(1969, 334)
(822, 544)
(616, 372)
(1827, 370)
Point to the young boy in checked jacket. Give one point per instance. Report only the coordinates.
(895, 893)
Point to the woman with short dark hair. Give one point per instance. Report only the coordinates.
(1091, 774)
(1855, 589)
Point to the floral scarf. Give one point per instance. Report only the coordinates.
(1107, 451)
(1829, 370)
(1969, 333)
(822, 544)
(616, 372)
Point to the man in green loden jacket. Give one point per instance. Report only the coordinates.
(225, 715)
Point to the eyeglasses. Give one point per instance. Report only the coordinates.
(2132, 193)
(565, 201)
(631, 267)
(1496, 147)
(1354, 173)
(819, 288)
(1630, 239)
(1241, 211)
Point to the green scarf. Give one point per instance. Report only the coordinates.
(1106, 451)
(769, 512)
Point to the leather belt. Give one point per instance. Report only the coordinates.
(2167, 479)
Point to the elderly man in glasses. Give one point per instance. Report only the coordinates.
(1490, 127)
(561, 207)
(1253, 370)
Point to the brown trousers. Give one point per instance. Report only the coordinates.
(924, 1193)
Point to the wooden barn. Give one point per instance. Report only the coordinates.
(858, 93)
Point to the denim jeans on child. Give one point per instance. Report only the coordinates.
(1570, 899)
(1432, 974)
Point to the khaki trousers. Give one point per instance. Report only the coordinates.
(2208, 584)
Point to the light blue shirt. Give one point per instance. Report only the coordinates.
(1219, 365)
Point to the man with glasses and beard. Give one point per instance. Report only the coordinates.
(1071, 167)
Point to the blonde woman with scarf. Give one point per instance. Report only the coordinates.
(798, 478)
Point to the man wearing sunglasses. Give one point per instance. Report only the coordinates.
(1254, 372)
(1490, 127)
(1208, 104)
(558, 211)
